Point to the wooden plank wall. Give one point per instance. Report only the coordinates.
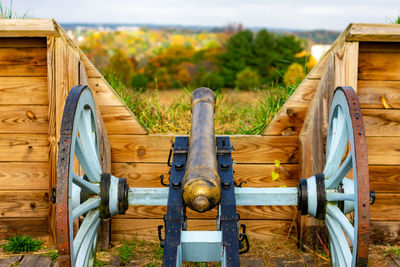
(24, 143)
(379, 92)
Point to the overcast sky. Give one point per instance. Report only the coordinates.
(291, 14)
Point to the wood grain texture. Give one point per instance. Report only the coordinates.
(103, 94)
(370, 93)
(246, 213)
(373, 32)
(128, 229)
(23, 42)
(379, 66)
(27, 28)
(383, 150)
(24, 203)
(118, 120)
(24, 147)
(52, 131)
(24, 175)
(287, 122)
(256, 175)
(290, 118)
(381, 122)
(248, 149)
(23, 62)
(386, 207)
(23, 91)
(384, 178)
(35, 227)
(346, 63)
(379, 47)
(385, 232)
(91, 70)
(318, 70)
(23, 119)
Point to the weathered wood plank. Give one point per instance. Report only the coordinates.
(23, 119)
(248, 149)
(373, 32)
(23, 42)
(346, 63)
(23, 62)
(52, 131)
(386, 207)
(385, 232)
(371, 93)
(27, 203)
(381, 122)
(383, 150)
(289, 119)
(27, 28)
(35, 227)
(384, 178)
(103, 94)
(24, 147)
(264, 230)
(23, 91)
(256, 175)
(24, 175)
(379, 66)
(91, 70)
(379, 47)
(246, 213)
(118, 120)
(318, 70)
(287, 122)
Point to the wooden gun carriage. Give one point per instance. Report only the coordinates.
(41, 65)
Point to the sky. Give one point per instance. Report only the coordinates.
(282, 14)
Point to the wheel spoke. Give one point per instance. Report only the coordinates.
(337, 146)
(85, 185)
(86, 133)
(89, 223)
(340, 241)
(335, 179)
(88, 163)
(339, 217)
(335, 196)
(89, 204)
(76, 196)
(332, 252)
(86, 248)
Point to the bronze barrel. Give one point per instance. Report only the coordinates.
(201, 183)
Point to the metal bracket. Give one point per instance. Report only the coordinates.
(243, 241)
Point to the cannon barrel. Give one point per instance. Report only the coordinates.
(201, 183)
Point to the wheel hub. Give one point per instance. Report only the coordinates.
(113, 196)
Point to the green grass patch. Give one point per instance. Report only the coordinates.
(392, 251)
(235, 112)
(23, 243)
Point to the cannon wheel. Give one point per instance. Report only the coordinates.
(78, 200)
(347, 210)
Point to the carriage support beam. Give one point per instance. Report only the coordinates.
(245, 196)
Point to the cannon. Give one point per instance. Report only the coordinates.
(202, 178)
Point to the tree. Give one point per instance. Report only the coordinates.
(247, 79)
(212, 80)
(294, 73)
(239, 54)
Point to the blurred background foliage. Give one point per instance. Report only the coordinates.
(235, 58)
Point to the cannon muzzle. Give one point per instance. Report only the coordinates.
(201, 183)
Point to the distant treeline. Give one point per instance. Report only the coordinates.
(236, 59)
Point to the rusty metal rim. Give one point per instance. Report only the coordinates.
(361, 161)
(64, 242)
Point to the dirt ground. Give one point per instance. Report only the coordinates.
(260, 254)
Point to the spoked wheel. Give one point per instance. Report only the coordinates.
(343, 202)
(347, 210)
(78, 196)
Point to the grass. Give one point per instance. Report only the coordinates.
(395, 251)
(236, 112)
(9, 13)
(23, 243)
